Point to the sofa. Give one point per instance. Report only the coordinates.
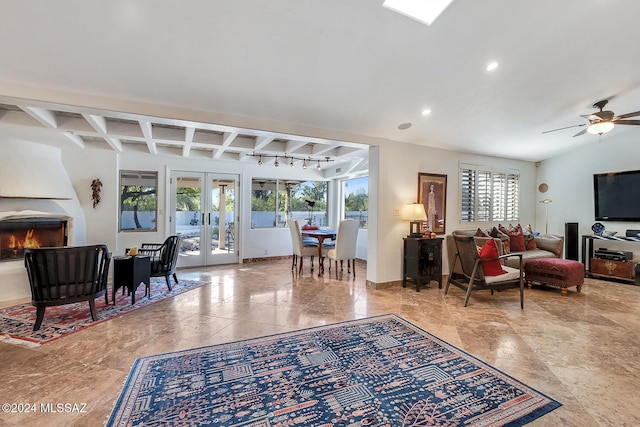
(547, 246)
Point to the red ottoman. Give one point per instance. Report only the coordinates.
(556, 272)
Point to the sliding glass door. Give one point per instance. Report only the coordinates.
(205, 212)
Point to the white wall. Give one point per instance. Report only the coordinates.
(570, 180)
(398, 185)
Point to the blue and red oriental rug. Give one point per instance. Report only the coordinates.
(16, 322)
(378, 371)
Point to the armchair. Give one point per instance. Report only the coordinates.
(164, 257)
(473, 275)
(67, 275)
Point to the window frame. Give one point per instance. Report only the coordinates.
(488, 194)
(141, 177)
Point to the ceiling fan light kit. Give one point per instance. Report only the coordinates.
(602, 122)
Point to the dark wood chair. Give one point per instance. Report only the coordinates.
(473, 277)
(164, 257)
(66, 275)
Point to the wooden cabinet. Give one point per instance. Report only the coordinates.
(422, 261)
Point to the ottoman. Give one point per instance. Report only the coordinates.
(556, 272)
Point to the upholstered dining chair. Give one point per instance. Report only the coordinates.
(302, 246)
(164, 257)
(345, 248)
(483, 271)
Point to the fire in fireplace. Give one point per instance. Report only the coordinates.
(17, 234)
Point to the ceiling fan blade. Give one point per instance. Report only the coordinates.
(582, 132)
(566, 127)
(628, 122)
(624, 116)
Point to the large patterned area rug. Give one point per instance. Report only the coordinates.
(16, 322)
(378, 371)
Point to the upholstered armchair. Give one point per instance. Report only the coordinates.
(67, 275)
(164, 257)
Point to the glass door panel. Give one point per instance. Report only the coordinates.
(204, 206)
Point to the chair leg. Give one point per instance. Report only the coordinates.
(92, 309)
(469, 286)
(301, 263)
(175, 278)
(293, 262)
(168, 282)
(311, 262)
(353, 264)
(341, 266)
(39, 316)
(455, 259)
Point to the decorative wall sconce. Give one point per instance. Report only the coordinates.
(96, 187)
(290, 159)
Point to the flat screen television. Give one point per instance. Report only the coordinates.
(617, 196)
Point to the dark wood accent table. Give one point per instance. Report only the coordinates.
(320, 235)
(422, 261)
(129, 272)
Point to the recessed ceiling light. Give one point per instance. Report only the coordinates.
(492, 66)
(420, 10)
(426, 112)
(404, 126)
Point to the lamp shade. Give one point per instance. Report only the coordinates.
(413, 212)
(600, 127)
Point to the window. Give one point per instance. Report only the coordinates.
(356, 199)
(274, 201)
(138, 201)
(488, 194)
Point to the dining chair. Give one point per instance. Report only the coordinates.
(301, 247)
(484, 270)
(345, 248)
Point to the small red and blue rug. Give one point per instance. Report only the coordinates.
(16, 322)
(378, 371)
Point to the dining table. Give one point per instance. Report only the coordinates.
(321, 235)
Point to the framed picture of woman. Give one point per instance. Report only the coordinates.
(432, 193)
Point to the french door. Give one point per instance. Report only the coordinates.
(205, 212)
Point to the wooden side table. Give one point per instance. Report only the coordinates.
(129, 272)
(422, 261)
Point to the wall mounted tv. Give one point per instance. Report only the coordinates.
(617, 196)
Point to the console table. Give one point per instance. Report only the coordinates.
(587, 256)
(422, 261)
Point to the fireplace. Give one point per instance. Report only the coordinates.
(17, 234)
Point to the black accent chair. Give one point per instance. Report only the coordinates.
(164, 257)
(66, 275)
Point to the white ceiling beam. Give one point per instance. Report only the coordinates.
(227, 139)
(320, 149)
(188, 141)
(262, 141)
(99, 123)
(147, 131)
(46, 117)
(75, 139)
(115, 143)
(292, 146)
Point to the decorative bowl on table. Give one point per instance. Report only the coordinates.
(597, 228)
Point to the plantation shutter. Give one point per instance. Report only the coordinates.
(487, 195)
(467, 195)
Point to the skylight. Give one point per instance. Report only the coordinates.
(425, 11)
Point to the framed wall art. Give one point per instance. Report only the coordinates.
(432, 193)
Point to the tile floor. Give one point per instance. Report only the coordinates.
(583, 349)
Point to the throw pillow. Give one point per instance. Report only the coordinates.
(492, 266)
(516, 238)
(506, 244)
(481, 233)
(530, 243)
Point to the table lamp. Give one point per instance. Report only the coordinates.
(415, 213)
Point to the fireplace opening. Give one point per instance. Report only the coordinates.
(17, 234)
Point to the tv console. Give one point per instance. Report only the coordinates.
(610, 264)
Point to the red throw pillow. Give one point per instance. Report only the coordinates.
(516, 238)
(492, 267)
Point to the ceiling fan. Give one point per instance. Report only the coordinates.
(602, 121)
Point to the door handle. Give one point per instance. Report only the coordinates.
(209, 215)
(202, 218)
